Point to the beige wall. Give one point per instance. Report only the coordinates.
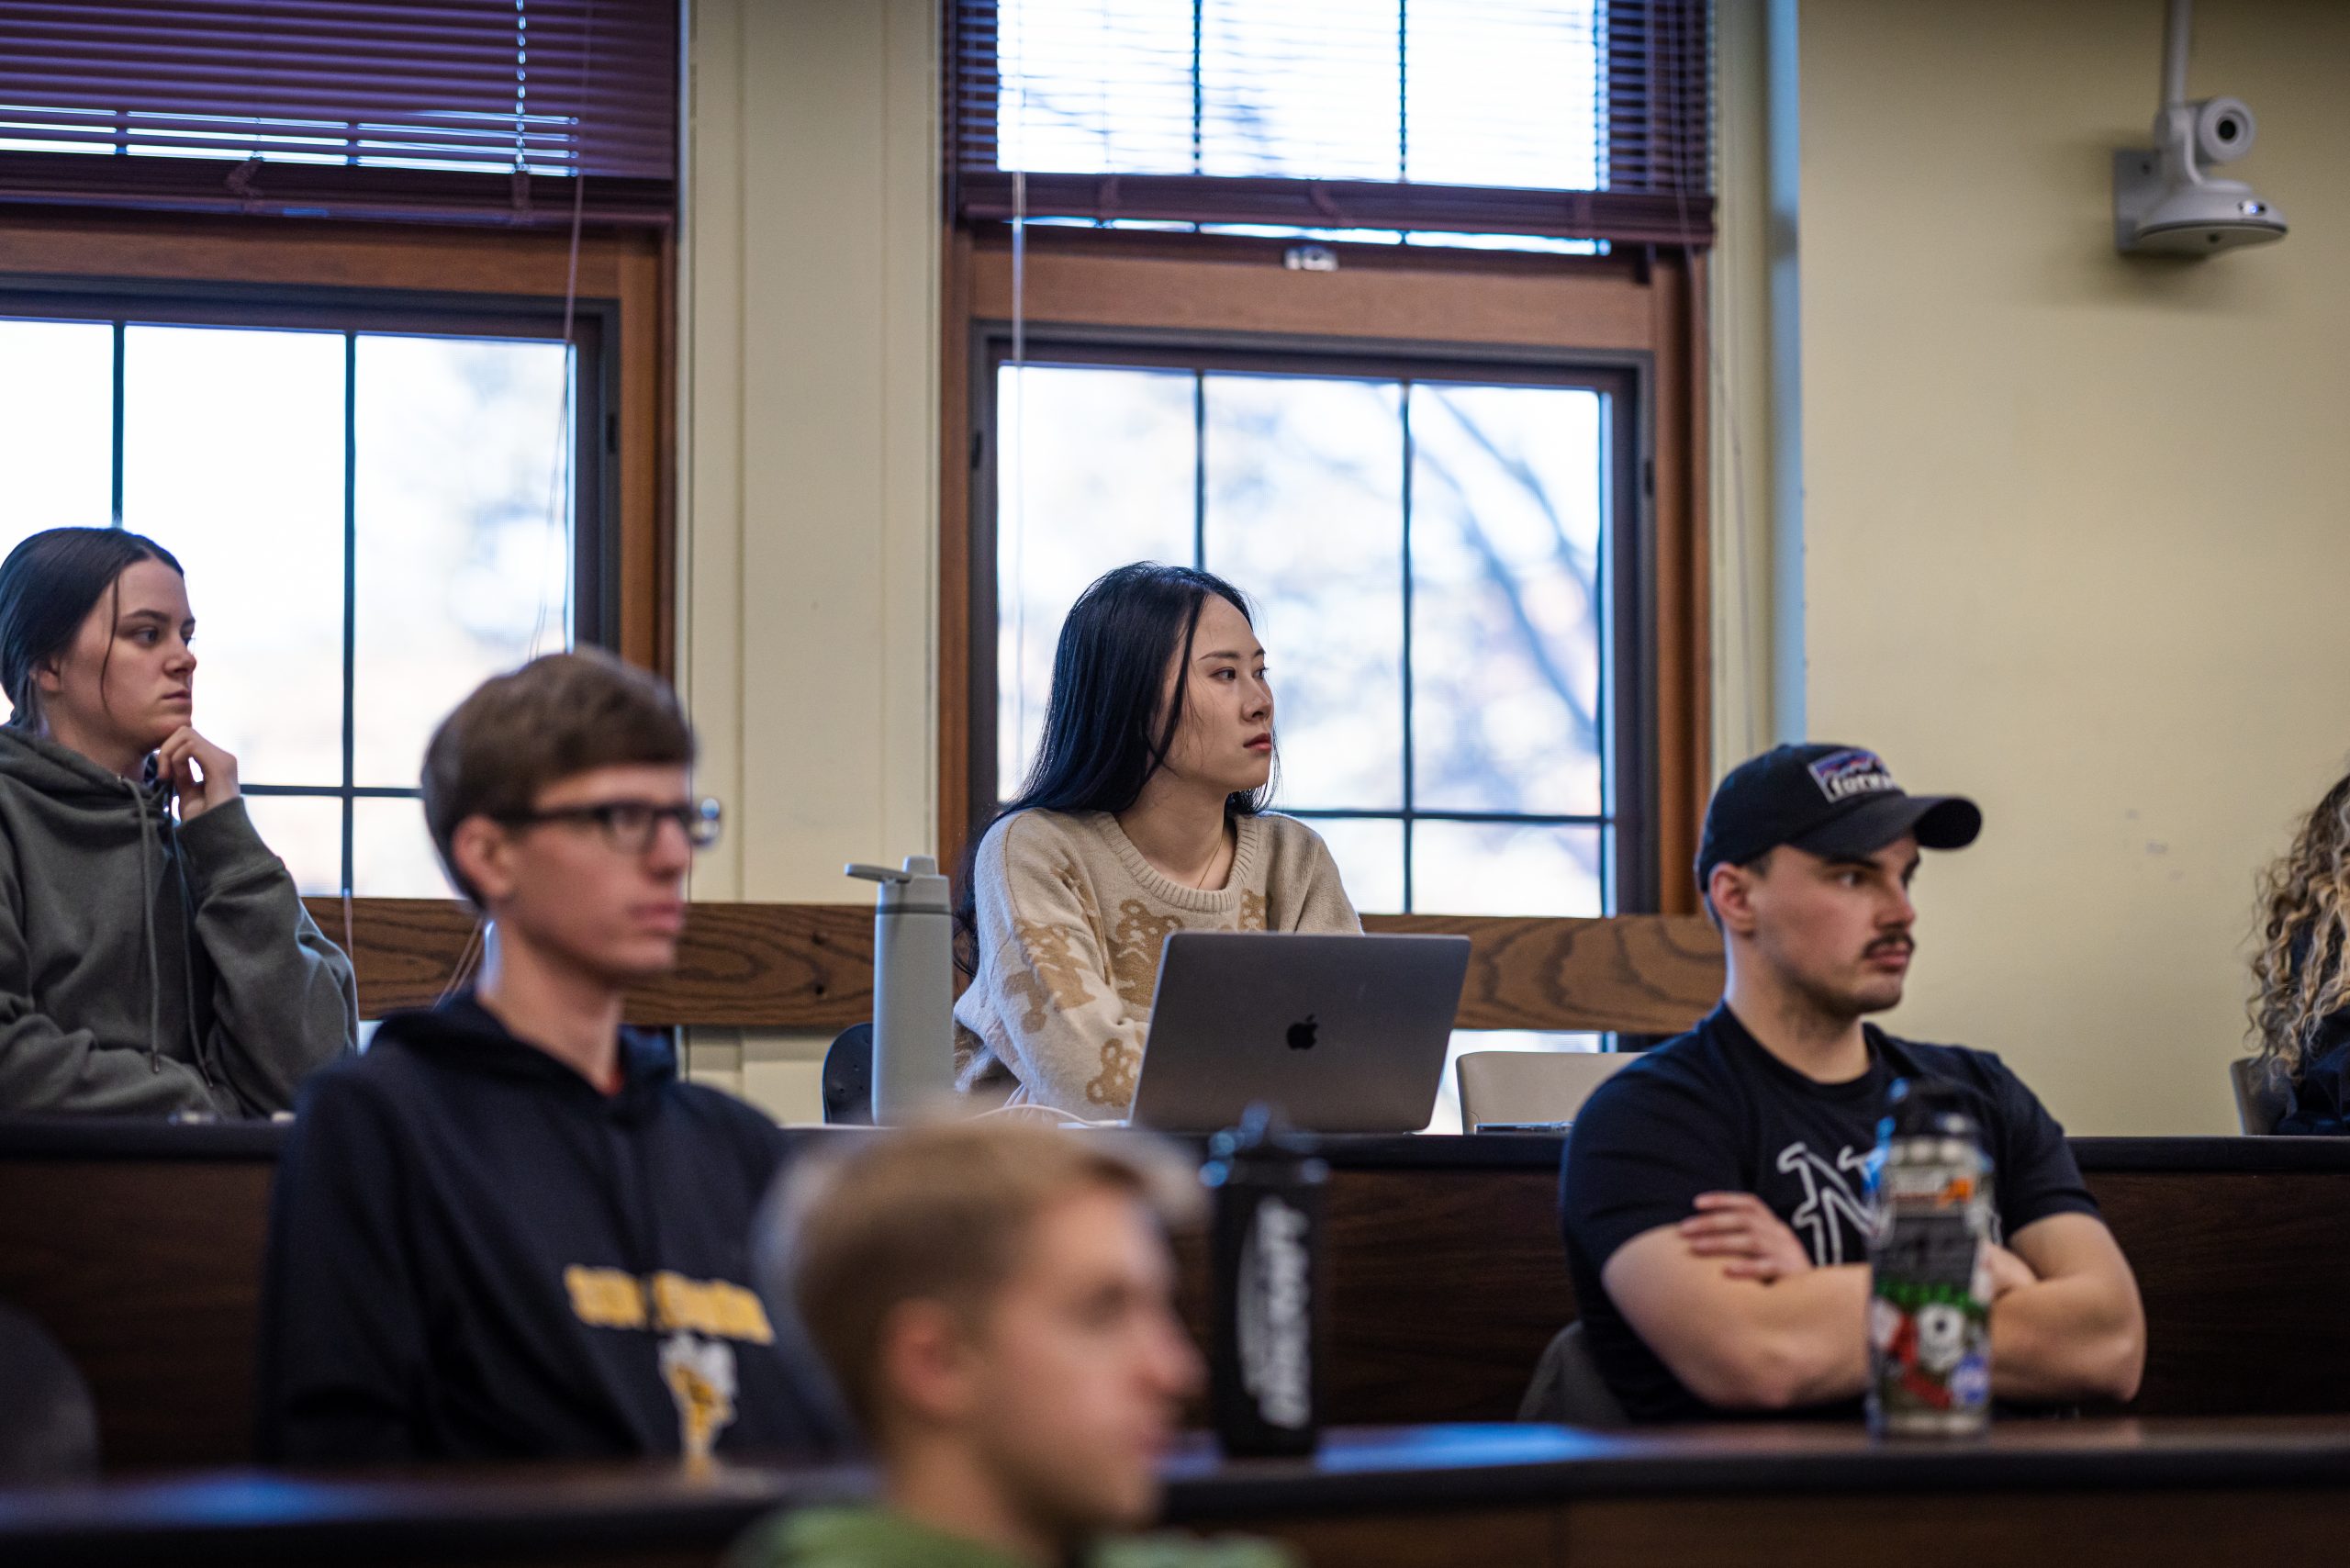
(809, 441)
(2072, 525)
(2063, 524)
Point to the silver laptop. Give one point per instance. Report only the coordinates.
(1344, 1034)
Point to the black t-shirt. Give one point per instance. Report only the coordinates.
(1712, 1111)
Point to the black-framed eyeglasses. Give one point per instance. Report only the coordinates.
(629, 825)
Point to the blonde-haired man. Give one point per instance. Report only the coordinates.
(995, 1301)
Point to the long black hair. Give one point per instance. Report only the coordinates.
(1104, 732)
(49, 585)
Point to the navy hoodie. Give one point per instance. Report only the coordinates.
(476, 1254)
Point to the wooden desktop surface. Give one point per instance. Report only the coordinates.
(2144, 1493)
(140, 1246)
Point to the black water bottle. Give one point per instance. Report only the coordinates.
(1264, 1391)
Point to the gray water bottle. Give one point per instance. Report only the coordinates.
(914, 989)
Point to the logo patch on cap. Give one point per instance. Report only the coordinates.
(1842, 775)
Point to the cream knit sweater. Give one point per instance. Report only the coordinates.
(1071, 919)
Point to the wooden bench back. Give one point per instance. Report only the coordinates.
(809, 965)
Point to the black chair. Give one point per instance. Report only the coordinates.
(1567, 1388)
(48, 1425)
(2261, 1095)
(848, 1077)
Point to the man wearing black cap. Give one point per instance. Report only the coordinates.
(1713, 1191)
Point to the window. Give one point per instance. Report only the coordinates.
(1434, 555)
(376, 509)
(1453, 449)
(1462, 92)
(1487, 122)
(351, 109)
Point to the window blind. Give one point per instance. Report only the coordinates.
(456, 108)
(1567, 118)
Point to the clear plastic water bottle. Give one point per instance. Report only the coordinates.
(1265, 1393)
(1929, 1288)
(914, 989)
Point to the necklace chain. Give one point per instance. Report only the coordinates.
(1207, 870)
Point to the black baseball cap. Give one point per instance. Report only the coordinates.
(1827, 799)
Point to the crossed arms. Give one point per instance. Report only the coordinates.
(1731, 1301)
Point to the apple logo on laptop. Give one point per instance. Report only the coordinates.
(1301, 1036)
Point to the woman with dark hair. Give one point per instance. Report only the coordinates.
(2301, 1006)
(1144, 813)
(149, 965)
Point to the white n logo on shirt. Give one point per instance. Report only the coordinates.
(1826, 1198)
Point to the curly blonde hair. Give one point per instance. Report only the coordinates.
(2300, 972)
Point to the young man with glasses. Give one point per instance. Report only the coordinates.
(508, 1230)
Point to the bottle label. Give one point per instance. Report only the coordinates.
(1930, 1313)
(1275, 1314)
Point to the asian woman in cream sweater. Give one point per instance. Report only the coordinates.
(1144, 815)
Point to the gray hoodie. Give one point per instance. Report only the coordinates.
(148, 966)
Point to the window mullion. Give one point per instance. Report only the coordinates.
(1403, 90)
(1199, 88)
(1200, 470)
(120, 331)
(1411, 797)
(349, 594)
(1605, 614)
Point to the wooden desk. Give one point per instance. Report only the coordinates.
(2127, 1492)
(141, 1246)
(591, 1517)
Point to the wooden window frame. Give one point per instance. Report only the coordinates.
(275, 271)
(1636, 305)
